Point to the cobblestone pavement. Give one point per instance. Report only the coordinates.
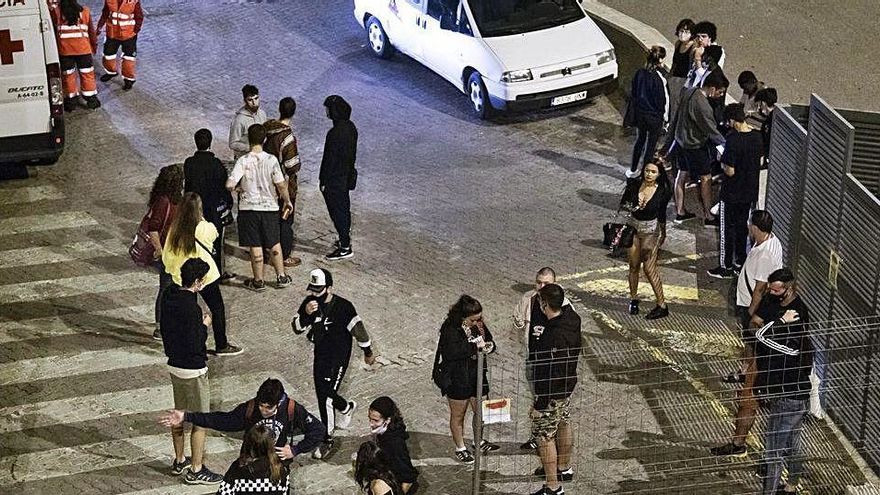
(445, 205)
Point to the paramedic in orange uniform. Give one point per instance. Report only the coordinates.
(123, 19)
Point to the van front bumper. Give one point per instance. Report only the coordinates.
(534, 101)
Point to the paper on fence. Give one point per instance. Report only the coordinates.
(496, 411)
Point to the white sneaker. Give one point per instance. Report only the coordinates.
(343, 419)
(632, 174)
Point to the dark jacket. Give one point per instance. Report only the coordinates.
(284, 426)
(784, 355)
(183, 332)
(650, 98)
(395, 453)
(206, 176)
(557, 357)
(340, 147)
(459, 357)
(255, 477)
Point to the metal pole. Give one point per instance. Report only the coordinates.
(478, 432)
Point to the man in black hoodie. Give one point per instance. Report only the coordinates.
(271, 407)
(555, 379)
(184, 333)
(338, 175)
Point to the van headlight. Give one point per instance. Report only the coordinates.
(606, 56)
(516, 76)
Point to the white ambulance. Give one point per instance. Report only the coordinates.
(503, 54)
(31, 100)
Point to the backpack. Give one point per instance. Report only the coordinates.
(291, 405)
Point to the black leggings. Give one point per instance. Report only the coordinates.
(339, 208)
(328, 378)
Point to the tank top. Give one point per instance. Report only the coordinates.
(681, 62)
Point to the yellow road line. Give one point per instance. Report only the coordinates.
(625, 267)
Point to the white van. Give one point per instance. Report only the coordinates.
(504, 54)
(31, 99)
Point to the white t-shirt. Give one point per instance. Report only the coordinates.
(763, 259)
(257, 174)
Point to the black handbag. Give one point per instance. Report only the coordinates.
(224, 212)
(617, 235)
(440, 375)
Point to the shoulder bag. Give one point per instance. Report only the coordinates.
(141, 251)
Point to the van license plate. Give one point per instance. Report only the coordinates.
(562, 100)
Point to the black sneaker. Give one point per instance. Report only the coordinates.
(657, 313)
(710, 224)
(561, 474)
(203, 477)
(325, 450)
(127, 85)
(93, 102)
(107, 77)
(634, 307)
(486, 446)
(69, 104)
(339, 253)
(255, 285)
(547, 491)
(229, 350)
(530, 445)
(683, 218)
(178, 468)
(721, 272)
(464, 456)
(730, 449)
(157, 335)
(283, 281)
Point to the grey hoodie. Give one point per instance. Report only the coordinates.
(238, 138)
(694, 123)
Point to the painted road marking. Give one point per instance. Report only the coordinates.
(29, 194)
(49, 221)
(609, 287)
(59, 254)
(76, 286)
(78, 363)
(625, 267)
(237, 388)
(60, 326)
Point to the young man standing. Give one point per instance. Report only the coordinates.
(338, 175)
(330, 321)
(281, 143)
(271, 407)
(555, 380)
(257, 177)
(206, 176)
(741, 163)
(245, 117)
(124, 19)
(694, 141)
(184, 335)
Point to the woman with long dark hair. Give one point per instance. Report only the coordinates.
(650, 102)
(258, 468)
(165, 195)
(462, 335)
(77, 42)
(646, 198)
(389, 432)
(191, 236)
(372, 474)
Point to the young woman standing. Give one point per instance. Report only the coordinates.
(681, 63)
(164, 197)
(650, 101)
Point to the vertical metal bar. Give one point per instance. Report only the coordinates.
(478, 433)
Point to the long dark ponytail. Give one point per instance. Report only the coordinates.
(70, 10)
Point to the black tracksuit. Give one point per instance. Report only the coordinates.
(337, 167)
(557, 358)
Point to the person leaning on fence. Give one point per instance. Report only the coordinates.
(531, 321)
(555, 381)
(646, 198)
(462, 335)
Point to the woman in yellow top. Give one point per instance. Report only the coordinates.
(191, 236)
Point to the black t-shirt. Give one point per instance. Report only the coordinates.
(743, 152)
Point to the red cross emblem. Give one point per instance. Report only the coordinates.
(9, 47)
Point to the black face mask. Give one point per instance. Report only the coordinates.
(321, 300)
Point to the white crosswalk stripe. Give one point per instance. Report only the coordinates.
(49, 221)
(78, 363)
(76, 286)
(59, 254)
(29, 194)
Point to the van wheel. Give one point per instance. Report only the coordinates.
(478, 95)
(378, 40)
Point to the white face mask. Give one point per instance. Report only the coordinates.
(684, 36)
(380, 429)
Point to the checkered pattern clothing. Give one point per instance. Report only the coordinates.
(252, 478)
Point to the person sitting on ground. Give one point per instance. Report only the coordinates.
(389, 432)
(258, 468)
(371, 473)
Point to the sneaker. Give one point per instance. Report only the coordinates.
(634, 307)
(127, 84)
(561, 474)
(547, 491)
(530, 445)
(464, 456)
(714, 223)
(178, 468)
(292, 261)
(283, 281)
(343, 419)
(632, 174)
(325, 450)
(339, 253)
(107, 77)
(736, 269)
(203, 477)
(683, 218)
(69, 104)
(657, 313)
(255, 285)
(157, 335)
(734, 377)
(229, 350)
(486, 447)
(720, 272)
(226, 276)
(93, 102)
(731, 449)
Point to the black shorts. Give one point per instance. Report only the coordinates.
(258, 229)
(696, 162)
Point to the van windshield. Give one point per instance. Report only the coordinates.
(507, 17)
